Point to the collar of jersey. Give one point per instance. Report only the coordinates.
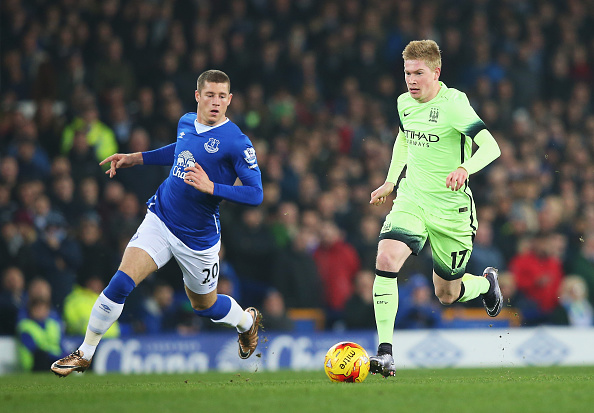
(201, 128)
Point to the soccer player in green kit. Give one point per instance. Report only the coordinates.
(437, 127)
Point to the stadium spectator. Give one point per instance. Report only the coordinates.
(295, 274)
(160, 313)
(485, 251)
(78, 305)
(39, 336)
(33, 161)
(98, 135)
(538, 274)
(285, 226)
(82, 157)
(251, 251)
(419, 309)
(12, 298)
(337, 262)
(526, 309)
(63, 198)
(574, 308)
(113, 71)
(274, 312)
(141, 183)
(57, 257)
(97, 254)
(358, 310)
(582, 263)
(364, 239)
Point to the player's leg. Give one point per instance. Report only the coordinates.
(391, 254)
(147, 251)
(136, 265)
(451, 245)
(200, 270)
(223, 309)
(403, 233)
(469, 287)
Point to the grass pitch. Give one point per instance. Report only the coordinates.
(504, 390)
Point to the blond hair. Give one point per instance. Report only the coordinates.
(425, 50)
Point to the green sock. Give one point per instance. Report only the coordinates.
(385, 305)
(473, 287)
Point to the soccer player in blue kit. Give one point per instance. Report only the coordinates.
(182, 219)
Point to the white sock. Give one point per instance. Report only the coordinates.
(87, 349)
(104, 313)
(236, 317)
(245, 323)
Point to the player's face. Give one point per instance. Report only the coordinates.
(213, 100)
(421, 81)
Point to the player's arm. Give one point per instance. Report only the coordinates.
(488, 150)
(161, 156)
(399, 155)
(250, 193)
(246, 168)
(465, 120)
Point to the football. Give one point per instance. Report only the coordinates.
(346, 362)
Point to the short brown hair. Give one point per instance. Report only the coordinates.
(212, 76)
(425, 50)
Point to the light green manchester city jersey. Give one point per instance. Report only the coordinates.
(438, 136)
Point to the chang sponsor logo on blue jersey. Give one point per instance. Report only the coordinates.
(184, 160)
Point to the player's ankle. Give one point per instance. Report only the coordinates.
(384, 348)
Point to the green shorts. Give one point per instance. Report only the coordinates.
(450, 233)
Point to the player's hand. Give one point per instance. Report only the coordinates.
(121, 160)
(196, 177)
(380, 195)
(456, 179)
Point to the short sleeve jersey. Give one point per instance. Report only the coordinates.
(225, 153)
(438, 138)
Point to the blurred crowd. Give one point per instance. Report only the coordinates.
(315, 84)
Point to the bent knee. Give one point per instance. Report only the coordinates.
(385, 260)
(445, 297)
(390, 260)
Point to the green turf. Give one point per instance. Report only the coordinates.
(525, 390)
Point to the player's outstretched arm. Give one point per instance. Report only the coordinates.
(380, 195)
(121, 160)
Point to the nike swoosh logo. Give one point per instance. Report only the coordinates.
(380, 295)
(406, 114)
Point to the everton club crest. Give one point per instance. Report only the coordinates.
(212, 145)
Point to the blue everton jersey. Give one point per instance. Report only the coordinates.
(225, 154)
